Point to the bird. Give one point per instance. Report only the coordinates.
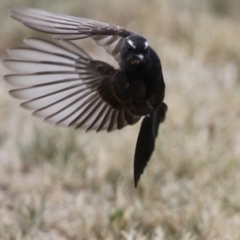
(61, 83)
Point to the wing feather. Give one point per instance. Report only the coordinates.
(63, 85)
(108, 36)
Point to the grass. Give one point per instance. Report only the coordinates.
(64, 184)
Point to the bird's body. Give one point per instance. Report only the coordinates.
(65, 86)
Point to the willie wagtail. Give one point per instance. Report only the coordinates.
(61, 83)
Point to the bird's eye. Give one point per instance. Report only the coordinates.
(130, 48)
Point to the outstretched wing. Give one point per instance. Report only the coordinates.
(146, 140)
(105, 35)
(63, 85)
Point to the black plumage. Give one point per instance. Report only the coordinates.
(61, 83)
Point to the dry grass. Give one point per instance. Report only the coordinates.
(64, 184)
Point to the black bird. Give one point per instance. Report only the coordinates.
(64, 85)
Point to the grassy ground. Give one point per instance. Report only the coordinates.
(64, 184)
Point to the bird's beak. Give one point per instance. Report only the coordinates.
(140, 56)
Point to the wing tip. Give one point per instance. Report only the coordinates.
(9, 79)
(12, 93)
(16, 11)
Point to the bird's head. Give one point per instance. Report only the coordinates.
(135, 50)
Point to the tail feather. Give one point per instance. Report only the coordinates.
(146, 140)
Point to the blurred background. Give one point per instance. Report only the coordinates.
(63, 184)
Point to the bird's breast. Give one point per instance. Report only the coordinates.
(131, 91)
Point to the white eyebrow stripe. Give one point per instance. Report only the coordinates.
(146, 44)
(130, 42)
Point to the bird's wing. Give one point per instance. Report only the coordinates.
(146, 140)
(105, 35)
(62, 84)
